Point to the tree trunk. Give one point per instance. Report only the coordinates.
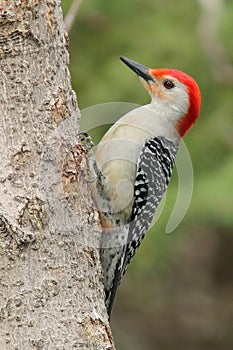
(51, 293)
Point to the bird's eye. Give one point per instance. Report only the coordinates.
(168, 84)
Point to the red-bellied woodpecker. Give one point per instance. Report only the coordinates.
(136, 158)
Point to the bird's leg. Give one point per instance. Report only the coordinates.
(101, 184)
(88, 144)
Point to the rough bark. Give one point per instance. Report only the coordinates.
(51, 294)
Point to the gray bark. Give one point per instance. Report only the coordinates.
(51, 294)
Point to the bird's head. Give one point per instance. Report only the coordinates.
(174, 94)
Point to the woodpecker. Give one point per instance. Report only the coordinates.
(133, 165)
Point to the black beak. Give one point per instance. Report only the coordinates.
(138, 68)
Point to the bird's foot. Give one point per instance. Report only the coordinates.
(86, 140)
(88, 144)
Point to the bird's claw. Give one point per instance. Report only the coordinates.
(87, 143)
(86, 140)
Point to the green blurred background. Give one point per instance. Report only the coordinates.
(178, 292)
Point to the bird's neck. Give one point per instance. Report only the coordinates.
(165, 120)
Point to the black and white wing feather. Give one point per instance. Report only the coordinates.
(153, 172)
(154, 169)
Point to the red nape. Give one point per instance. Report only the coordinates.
(194, 96)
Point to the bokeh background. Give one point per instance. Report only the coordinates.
(178, 291)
